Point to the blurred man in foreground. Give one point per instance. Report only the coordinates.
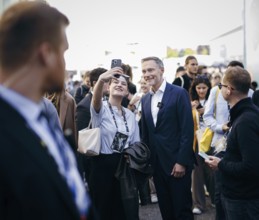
(38, 170)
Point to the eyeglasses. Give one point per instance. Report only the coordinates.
(220, 85)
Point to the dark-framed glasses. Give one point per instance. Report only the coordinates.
(220, 85)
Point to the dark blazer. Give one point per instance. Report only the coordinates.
(83, 114)
(81, 92)
(31, 186)
(187, 82)
(170, 141)
(255, 97)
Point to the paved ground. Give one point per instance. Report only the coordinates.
(151, 212)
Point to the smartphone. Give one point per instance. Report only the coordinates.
(199, 106)
(116, 63)
(204, 155)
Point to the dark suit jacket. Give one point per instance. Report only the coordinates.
(255, 97)
(81, 92)
(83, 114)
(31, 186)
(170, 141)
(187, 82)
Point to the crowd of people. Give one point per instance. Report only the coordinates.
(149, 138)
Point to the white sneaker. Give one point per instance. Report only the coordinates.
(154, 198)
(196, 211)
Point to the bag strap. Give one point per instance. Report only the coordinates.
(197, 118)
(215, 104)
(90, 123)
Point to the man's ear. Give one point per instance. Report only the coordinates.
(45, 54)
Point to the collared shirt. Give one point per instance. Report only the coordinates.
(104, 120)
(156, 101)
(30, 111)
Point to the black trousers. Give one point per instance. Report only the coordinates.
(105, 188)
(174, 195)
(142, 181)
(241, 209)
(220, 213)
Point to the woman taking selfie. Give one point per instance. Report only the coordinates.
(119, 129)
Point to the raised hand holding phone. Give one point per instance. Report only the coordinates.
(112, 73)
(118, 63)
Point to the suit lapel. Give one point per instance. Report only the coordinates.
(148, 110)
(37, 150)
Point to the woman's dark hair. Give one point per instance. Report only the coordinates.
(127, 70)
(198, 80)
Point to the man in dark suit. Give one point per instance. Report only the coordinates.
(167, 127)
(38, 170)
(83, 117)
(83, 114)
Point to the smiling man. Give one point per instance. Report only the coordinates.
(167, 127)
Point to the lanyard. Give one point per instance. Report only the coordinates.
(114, 119)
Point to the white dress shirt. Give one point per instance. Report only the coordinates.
(156, 100)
